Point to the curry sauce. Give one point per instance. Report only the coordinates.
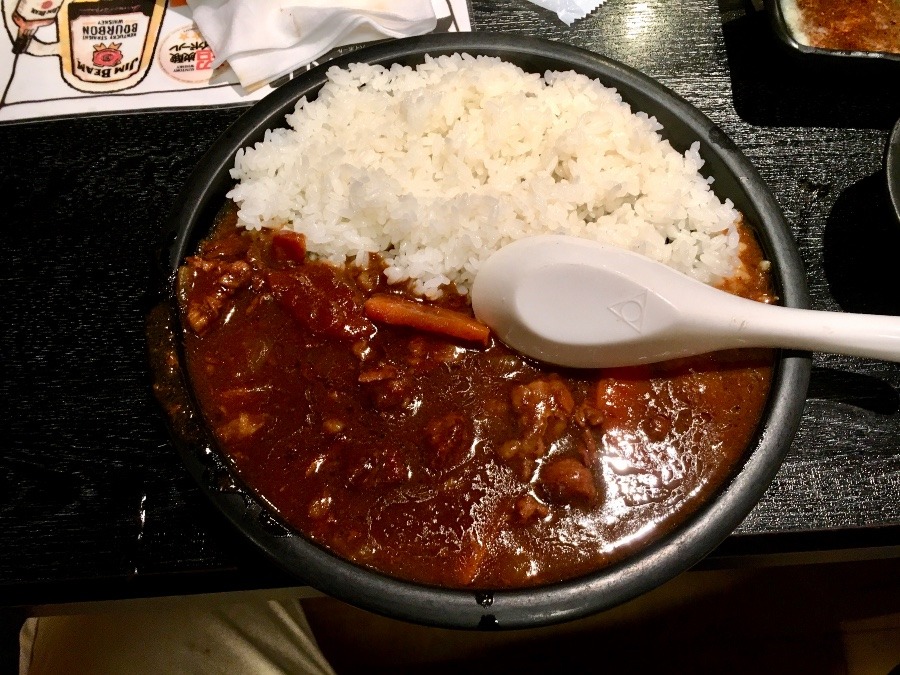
(440, 459)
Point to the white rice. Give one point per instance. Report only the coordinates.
(438, 166)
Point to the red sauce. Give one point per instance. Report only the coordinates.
(441, 460)
(851, 25)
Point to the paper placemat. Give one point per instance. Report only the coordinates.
(147, 56)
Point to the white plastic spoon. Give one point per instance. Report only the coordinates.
(578, 303)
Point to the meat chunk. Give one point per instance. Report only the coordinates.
(544, 407)
(449, 439)
(528, 509)
(427, 353)
(522, 455)
(215, 282)
(568, 481)
(289, 246)
(390, 393)
(320, 301)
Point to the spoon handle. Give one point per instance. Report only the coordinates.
(866, 335)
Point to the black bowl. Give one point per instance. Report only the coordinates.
(735, 178)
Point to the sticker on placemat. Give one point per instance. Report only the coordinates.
(185, 56)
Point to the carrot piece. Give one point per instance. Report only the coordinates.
(402, 312)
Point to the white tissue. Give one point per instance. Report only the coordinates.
(569, 10)
(264, 39)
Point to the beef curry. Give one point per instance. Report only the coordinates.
(441, 458)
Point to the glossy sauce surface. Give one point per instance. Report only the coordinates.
(442, 460)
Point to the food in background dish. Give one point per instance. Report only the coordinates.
(845, 25)
(331, 346)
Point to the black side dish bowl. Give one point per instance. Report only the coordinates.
(735, 178)
(836, 57)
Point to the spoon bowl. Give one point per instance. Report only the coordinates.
(578, 303)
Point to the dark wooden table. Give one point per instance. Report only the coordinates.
(94, 500)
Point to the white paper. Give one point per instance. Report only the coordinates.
(262, 41)
(569, 11)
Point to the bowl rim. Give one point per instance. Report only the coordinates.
(892, 168)
(202, 194)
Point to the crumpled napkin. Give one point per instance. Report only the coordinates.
(264, 39)
(569, 10)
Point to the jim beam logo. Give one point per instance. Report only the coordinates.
(108, 49)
